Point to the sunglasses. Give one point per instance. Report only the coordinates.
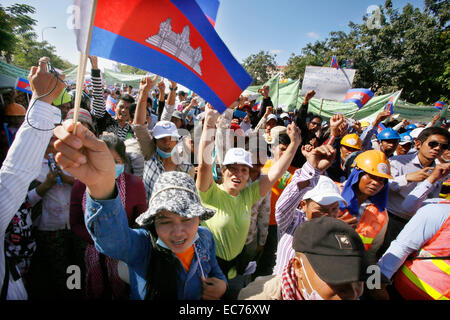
(434, 144)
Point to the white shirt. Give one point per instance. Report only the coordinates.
(21, 166)
(55, 203)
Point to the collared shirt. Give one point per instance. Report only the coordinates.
(422, 227)
(153, 167)
(400, 188)
(19, 169)
(101, 118)
(289, 216)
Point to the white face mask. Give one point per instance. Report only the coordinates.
(162, 244)
(314, 295)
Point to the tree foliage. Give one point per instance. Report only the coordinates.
(410, 51)
(259, 66)
(18, 41)
(129, 69)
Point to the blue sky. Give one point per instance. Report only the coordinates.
(246, 26)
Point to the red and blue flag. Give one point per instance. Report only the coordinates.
(171, 38)
(209, 8)
(439, 105)
(390, 104)
(111, 105)
(380, 128)
(334, 63)
(358, 96)
(257, 106)
(23, 85)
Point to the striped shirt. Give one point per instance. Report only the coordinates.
(20, 168)
(102, 119)
(289, 216)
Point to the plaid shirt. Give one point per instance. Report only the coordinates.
(153, 167)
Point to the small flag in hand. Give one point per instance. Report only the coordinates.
(390, 104)
(439, 105)
(358, 96)
(23, 85)
(334, 63)
(111, 106)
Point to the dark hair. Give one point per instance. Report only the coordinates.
(284, 139)
(114, 143)
(423, 136)
(313, 116)
(161, 277)
(127, 98)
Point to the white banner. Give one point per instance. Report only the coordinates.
(329, 83)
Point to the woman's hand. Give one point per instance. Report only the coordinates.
(213, 288)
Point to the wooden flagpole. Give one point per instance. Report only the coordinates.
(82, 60)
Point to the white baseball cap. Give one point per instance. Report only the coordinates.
(415, 132)
(238, 156)
(271, 116)
(165, 129)
(325, 192)
(253, 96)
(284, 115)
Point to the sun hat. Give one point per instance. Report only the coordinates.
(176, 192)
(274, 134)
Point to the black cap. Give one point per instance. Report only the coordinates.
(333, 248)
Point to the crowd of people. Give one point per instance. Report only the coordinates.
(160, 197)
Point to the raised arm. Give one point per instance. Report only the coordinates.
(206, 146)
(22, 164)
(98, 101)
(279, 168)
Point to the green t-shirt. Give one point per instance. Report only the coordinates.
(231, 222)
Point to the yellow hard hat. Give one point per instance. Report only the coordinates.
(352, 140)
(364, 124)
(15, 109)
(374, 162)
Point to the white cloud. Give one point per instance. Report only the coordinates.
(313, 35)
(276, 51)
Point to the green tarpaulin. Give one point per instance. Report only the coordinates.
(290, 99)
(109, 76)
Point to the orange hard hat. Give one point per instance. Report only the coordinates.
(15, 109)
(352, 140)
(374, 162)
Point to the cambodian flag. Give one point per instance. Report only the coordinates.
(257, 106)
(23, 85)
(171, 38)
(358, 96)
(111, 105)
(390, 104)
(439, 105)
(380, 128)
(209, 8)
(334, 63)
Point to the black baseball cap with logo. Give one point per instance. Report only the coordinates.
(333, 248)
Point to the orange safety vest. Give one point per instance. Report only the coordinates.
(427, 279)
(370, 224)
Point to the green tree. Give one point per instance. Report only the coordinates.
(28, 51)
(129, 69)
(409, 50)
(14, 22)
(259, 66)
